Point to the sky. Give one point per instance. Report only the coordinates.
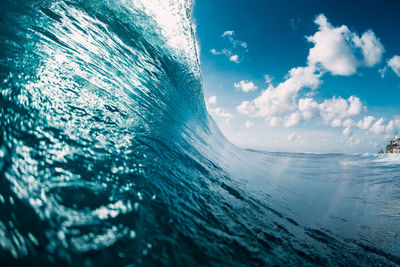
(302, 76)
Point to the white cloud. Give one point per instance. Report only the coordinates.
(308, 107)
(339, 108)
(347, 131)
(365, 123)
(393, 126)
(394, 64)
(245, 86)
(268, 79)
(390, 127)
(372, 49)
(248, 124)
(336, 123)
(397, 122)
(221, 112)
(235, 49)
(234, 58)
(217, 111)
(352, 141)
(274, 121)
(214, 52)
(335, 48)
(292, 120)
(348, 123)
(228, 33)
(246, 108)
(338, 51)
(211, 101)
(279, 100)
(296, 138)
(331, 48)
(378, 127)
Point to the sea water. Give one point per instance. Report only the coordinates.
(108, 156)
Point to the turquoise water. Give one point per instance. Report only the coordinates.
(108, 156)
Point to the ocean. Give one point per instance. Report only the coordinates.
(108, 156)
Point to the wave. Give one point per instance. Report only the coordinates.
(108, 155)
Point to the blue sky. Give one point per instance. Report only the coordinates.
(302, 76)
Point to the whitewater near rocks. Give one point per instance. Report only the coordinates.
(108, 155)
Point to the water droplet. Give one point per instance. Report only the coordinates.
(61, 235)
(132, 234)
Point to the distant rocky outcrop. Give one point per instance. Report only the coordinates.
(393, 146)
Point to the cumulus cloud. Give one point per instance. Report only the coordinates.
(338, 51)
(394, 64)
(393, 126)
(246, 107)
(378, 127)
(336, 48)
(296, 138)
(339, 108)
(274, 121)
(308, 108)
(352, 141)
(214, 52)
(365, 123)
(292, 120)
(220, 112)
(336, 122)
(279, 100)
(371, 48)
(347, 131)
(234, 58)
(217, 111)
(331, 48)
(245, 86)
(348, 124)
(211, 101)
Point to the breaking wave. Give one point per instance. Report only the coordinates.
(108, 156)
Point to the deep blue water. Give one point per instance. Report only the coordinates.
(108, 156)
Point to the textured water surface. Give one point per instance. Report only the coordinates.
(108, 156)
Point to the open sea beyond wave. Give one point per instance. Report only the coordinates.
(108, 155)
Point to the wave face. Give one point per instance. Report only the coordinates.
(108, 156)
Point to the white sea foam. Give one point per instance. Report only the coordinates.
(387, 158)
